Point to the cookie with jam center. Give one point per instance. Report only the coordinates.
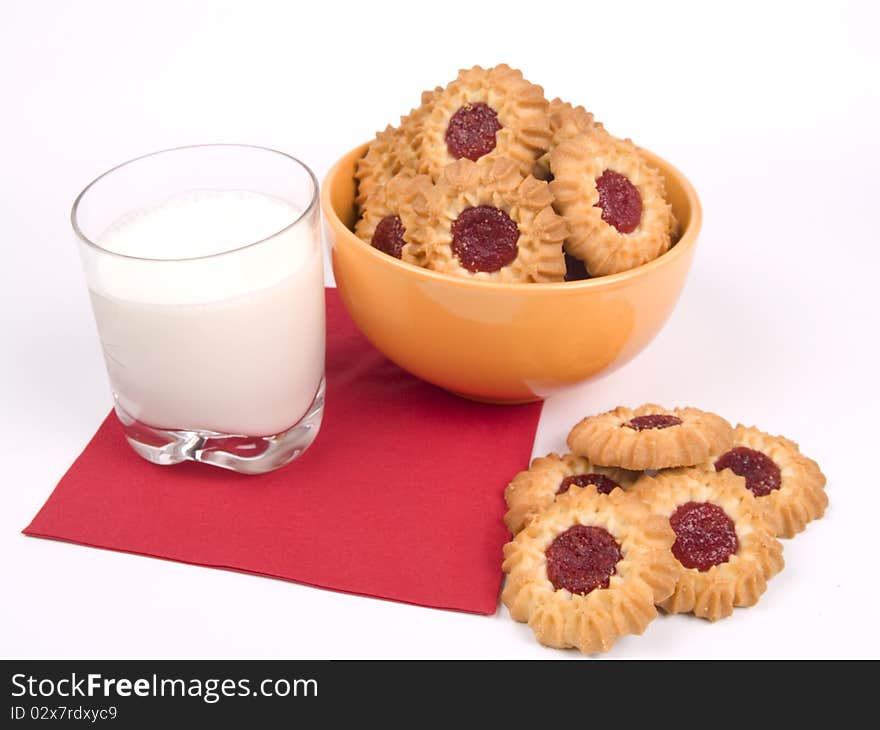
(589, 569)
(789, 486)
(725, 548)
(614, 202)
(482, 115)
(650, 437)
(489, 221)
(390, 217)
(532, 490)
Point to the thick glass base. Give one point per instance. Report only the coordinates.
(244, 454)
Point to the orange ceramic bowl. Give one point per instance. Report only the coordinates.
(504, 343)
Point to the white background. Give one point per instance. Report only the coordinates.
(771, 110)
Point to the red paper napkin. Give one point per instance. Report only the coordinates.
(399, 497)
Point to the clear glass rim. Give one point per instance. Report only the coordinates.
(80, 234)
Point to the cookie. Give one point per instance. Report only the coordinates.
(614, 202)
(566, 121)
(482, 115)
(392, 151)
(790, 486)
(589, 569)
(412, 125)
(723, 545)
(490, 222)
(380, 163)
(650, 437)
(389, 217)
(532, 490)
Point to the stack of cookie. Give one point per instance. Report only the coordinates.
(652, 507)
(487, 179)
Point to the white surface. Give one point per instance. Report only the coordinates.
(771, 110)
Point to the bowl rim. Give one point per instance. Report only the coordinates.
(681, 248)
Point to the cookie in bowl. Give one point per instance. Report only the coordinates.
(390, 217)
(566, 121)
(482, 115)
(489, 221)
(612, 198)
(393, 150)
(614, 202)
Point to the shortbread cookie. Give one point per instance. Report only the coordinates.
(380, 163)
(548, 476)
(412, 125)
(566, 121)
(390, 217)
(790, 486)
(393, 150)
(490, 222)
(485, 114)
(589, 569)
(650, 437)
(725, 548)
(613, 201)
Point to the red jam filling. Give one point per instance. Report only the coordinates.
(471, 131)
(760, 471)
(603, 484)
(620, 201)
(484, 239)
(575, 269)
(643, 423)
(704, 535)
(388, 236)
(582, 559)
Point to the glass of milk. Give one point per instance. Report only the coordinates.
(204, 266)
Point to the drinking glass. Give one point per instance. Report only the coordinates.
(204, 267)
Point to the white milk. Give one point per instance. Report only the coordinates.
(232, 343)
